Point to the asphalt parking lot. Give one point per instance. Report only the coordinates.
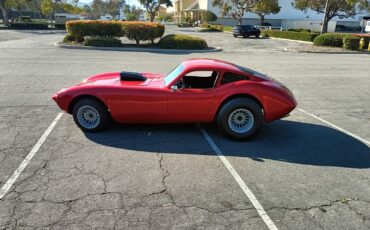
(304, 173)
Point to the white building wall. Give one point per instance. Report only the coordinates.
(287, 12)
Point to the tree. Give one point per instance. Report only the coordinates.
(152, 6)
(4, 7)
(209, 16)
(332, 8)
(101, 7)
(235, 8)
(132, 12)
(266, 7)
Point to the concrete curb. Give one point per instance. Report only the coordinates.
(290, 40)
(134, 49)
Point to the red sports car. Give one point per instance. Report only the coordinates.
(198, 90)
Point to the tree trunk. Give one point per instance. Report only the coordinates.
(240, 20)
(324, 27)
(262, 19)
(152, 16)
(5, 16)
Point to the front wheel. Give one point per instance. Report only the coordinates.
(90, 115)
(240, 118)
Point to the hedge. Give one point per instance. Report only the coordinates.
(331, 39)
(351, 43)
(137, 31)
(181, 41)
(213, 27)
(102, 42)
(82, 28)
(185, 25)
(142, 31)
(28, 25)
(301, 36)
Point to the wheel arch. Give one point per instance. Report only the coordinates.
(83, 96)
(241, 95)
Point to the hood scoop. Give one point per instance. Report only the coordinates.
(131, 76)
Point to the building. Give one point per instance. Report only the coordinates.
(287, 18)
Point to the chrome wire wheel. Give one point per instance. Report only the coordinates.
(241, 121)
(88, 117)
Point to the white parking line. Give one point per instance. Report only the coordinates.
(270, 224)
(9, 183)
(336, 127)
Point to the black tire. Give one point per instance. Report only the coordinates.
(233, 106)
(257, 35)
(104, 117)
(246, 36)
(235, 36)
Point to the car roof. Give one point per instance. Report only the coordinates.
(207, 63)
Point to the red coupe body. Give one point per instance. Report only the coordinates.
(155, 100)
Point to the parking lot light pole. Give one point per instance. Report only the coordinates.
(324, 27)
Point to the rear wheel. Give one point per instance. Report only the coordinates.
(257, 35)
(246, 36)
(90, 115)
(235, 36)
(240, 118)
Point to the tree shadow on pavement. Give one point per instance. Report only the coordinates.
(287, 141)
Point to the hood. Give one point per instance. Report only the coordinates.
(114, 78)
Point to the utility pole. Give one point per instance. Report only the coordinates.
(324, 27)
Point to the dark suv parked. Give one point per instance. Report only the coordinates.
(246, 31)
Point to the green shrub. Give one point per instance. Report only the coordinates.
(82, 28)
(133, 30)
(300, 30)
(351, 43)
(210, 30)
(180, 41)
(28, 25)
(330, 39)
(68, 38)
(205, 25)
(185, 25)
(228, 28)
(301, 36)
(209, 16)
(102, 42)
(142, 31)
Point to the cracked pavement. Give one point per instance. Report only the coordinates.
(305, 174)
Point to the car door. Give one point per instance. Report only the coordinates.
(146, 105)
(191, 104)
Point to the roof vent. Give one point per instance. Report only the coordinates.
(131, 76)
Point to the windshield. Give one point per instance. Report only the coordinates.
(173, 74)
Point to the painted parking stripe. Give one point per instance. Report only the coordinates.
(257, 205)
(336, 127)
(9, 183)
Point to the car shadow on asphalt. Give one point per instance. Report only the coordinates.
(283, 140)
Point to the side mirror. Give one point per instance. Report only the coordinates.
(174, 88)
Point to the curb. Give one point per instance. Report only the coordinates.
(290, 40)
(134, 49)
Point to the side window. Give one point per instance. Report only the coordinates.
(200, 79)
(232, 77)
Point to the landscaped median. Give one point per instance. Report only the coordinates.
(215, 28)
(292, 35)
(98, 33)
(347, 41)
